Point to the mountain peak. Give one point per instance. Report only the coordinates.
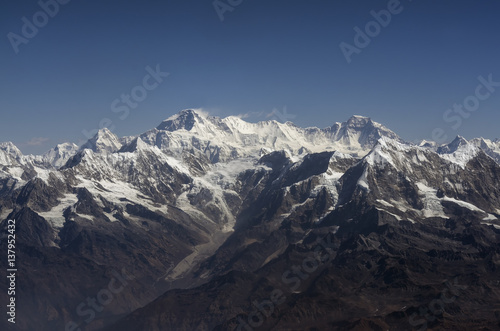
(9, 153)
(182, 120)
(452, 147)
(103, 141)
(363, 131)
(427, 144)
(9, 148)
(59, 155)
(359, 117)
(460, 139)
(357, 121)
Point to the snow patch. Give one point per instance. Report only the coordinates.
(490, 218)
(385, 203)
(363, 181)
(464, 204)
(432, 204)
(55, 215)
(395, 216)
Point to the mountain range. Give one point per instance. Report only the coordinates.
(221, 224)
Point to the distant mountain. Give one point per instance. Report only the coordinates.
(492, 148)
(103, 141)
(10, 154)
(452, 147)
(221, 140)
(208, 216)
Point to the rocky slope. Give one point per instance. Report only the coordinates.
(412, 242)
(346, 228)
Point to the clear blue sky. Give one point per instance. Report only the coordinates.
(266, 54)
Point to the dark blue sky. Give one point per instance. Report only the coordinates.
(264, 55)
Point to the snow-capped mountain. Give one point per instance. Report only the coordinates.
(59, 155)
(10, 154)
(452, 147)
(225, 139)
(103, 141)
(492, 148)
(201, 210)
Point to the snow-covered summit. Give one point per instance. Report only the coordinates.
(103, 141)
(9, 154)
(58, 155)
(361, 131)
(459, 151)
(10, 148)
(492, 148)
(452, 147)
(358, 121)
(223, 139)
(185, 120)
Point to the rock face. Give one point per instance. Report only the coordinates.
(219, 224)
